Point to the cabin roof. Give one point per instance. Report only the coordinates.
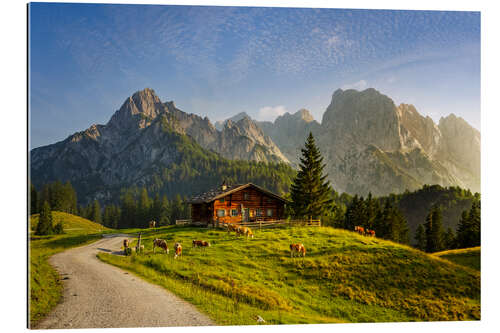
(218, 193)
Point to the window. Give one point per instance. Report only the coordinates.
(234, 212)
(260, 212)
(269, 212)
(221, 212)
(222, 200)
(246, 196)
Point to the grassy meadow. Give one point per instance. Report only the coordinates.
(45, 285)
(344, 277)
(470, 257)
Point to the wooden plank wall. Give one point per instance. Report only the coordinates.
(256, 199)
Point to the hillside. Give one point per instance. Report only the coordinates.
(44, 282)
(343, 278)
(72, 224)
(470, 257)
(416, 205)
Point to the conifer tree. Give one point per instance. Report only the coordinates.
(96, 212)
(469, 227)
(44, 226)
(33, 200)
(449, 239)
(310, 191)
(420, 237)
(434, 231)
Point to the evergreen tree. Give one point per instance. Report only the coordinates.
(449, 239)
(96, 212)
(420, 237)
(165, 212)
(434, 231)
(144, 208)
(33, 200)
(44, 226)
(469, 227)
(310, 191)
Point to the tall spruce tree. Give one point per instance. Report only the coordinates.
(469, 227)
(311, 193)
(96, 212)
(434, 231)
(420, 237)
(44, 226)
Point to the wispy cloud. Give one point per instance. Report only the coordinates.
(269, 113)
(360, 85)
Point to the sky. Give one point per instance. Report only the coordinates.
(86, 59)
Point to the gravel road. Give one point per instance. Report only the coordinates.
(100, 295)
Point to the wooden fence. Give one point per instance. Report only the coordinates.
(259, 224)
(277, 223)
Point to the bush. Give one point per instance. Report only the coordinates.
(58, 228)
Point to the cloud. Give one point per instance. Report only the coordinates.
(270, 113)
(360, 85)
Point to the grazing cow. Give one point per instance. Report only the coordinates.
(297, 248)
(232, 227)
(152, 224)
(370, 233)
(246, 231)
(359, 229)
(178, 250)
(161, 243)
(126, 243)
(200, 243)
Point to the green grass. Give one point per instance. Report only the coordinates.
(470, 257)
(45, 285)
(344, 277)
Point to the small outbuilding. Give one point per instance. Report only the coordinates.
(236, 204)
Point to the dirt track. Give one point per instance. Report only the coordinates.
(100, 295)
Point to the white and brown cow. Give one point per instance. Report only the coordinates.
(298, 249)
(177, 250)
(161, 243)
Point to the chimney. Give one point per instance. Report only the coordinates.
(223, 186)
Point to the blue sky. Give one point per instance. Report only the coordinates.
(86, 59)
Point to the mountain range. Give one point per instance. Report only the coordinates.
(369, 145)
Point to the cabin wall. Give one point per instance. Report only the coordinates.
(254, 200)
(201, 212)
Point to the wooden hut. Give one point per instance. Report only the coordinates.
(236, 204)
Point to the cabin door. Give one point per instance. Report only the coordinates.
(246, 214)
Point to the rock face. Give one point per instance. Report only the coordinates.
(219, 124)
(137, 141)
(289, 132)
(372, 145)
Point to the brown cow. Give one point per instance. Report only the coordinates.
(232, 227)
(152, 224)
(200, 243)
(359, 229)
(370, 233)
(178, 250)
(297, 248)
(161, 243)
(246, 231)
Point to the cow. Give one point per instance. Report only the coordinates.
(245, 231)
(370, 233)
(178, 250)
(232, 227)
(297, 248)
(152, 224)
(161, 243)
(200, 243)
(126, 243)
(359, 229)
